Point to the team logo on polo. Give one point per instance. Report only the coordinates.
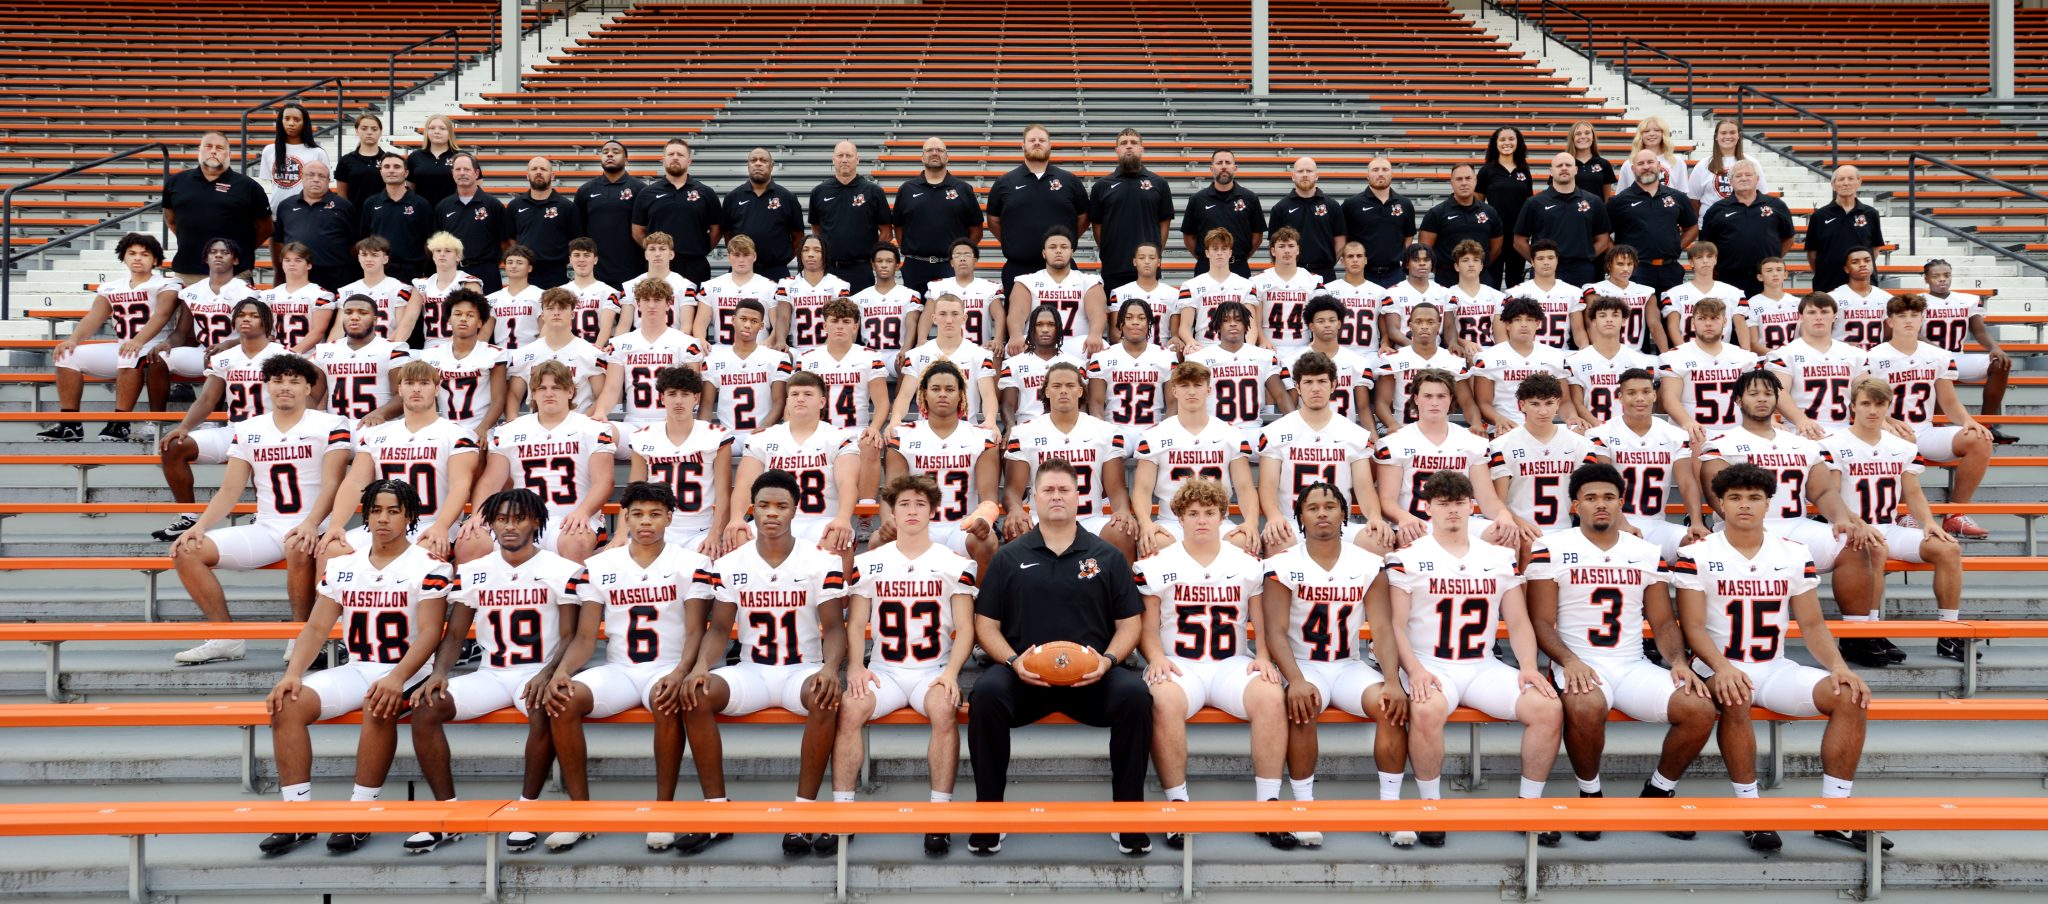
(774, 203)
(692, 196)
(1480, 218)
(858, 200)
(952, 194)
(1089, 569)
(1670, 201)
(1238, 205)
(1322, 210)
(625, 194)
(408, 210)
(1394, 210)
(1767, 210)
(1145, 184)
(1584, 206)
(483, 213)
(1519, 177)
(549, 214)
(1054, 184)
(1862, 221)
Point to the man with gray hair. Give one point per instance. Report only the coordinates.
(479, 220)
(324, 222)
(545, 220)
(1747, 226)
(851, 214)
(1572, 217)
(1319, 220)
(1837, 226)
(213, 201)
(1383, 221)
(1127, 208)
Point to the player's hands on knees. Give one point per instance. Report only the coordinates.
(191, 543)
(384, 697)
(1241, 536)
(1412, 529)
(577, 527)
(884, 533)
(171, 438)
(1017, 524)
(696, 690)
(859, 681)
(303, 539)
(1695, 531)
(1534, 680)
(1124, 523)
(1847, 683)
(535, 693)
(429, 692)
(1394, 704)
(1731, 687)
(666, 695)
(1579, 678)
(285, 692)
(1102, 666)
(561, 689)
(1266, 671)
(1422, 684)
(951, 686)
(1304, 703)
(1163, 669)
(821, 692)
(335, 543)
(1686, 681)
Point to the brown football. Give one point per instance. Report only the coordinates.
(1059, 663)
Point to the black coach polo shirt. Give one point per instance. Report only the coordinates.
(406, 223)
(1383, 227)
(327, 226)
(1745, 234)
(545, 227)
(1571, 220)
(481, 224)
(931, 217)
(1452, 223)
(1651, 223)
(1319, 220)
(1028, 205)
(1077, 595)
(208, 209)
(687, 212)
(1129, 209)
(1237, 210)
(768, 218)
(1831, 232)
(607, 209)
(850, 217)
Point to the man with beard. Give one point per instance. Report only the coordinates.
(1225, 205)
(402, 218)
(1128, 207)
(1030, 200)
(850, 213)
(933, 211)
(544, 220)
(1319, 220)
(476, 218)
(213, 201)
(1572, 217)
(1656, 220)
(1382, 220)
(606, 205)
(684, 208)
(768, 213)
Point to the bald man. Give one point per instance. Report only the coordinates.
(325, 221)
(1319, 220)
(1382, 220)
(545, 221)
(851, 213)
(1570, 216)
(933, 210)
(1839, 225)
(768, 213)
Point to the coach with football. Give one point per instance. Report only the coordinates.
(1058, 582)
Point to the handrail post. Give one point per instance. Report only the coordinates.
(7, 258)
(1692, 106)
(1912, 203)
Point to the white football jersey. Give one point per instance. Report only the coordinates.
(213, 313)
(1470, 316)
(286, 461)
(1557, 303)
(974, 362)
(1135, 393)
(1363, 305)
(1681, 298)
(1787, 455)
(1507, 369)
(1873, 474)
(722, 294)
(746, 385)
(1642, 305)
(981, 297)
(433, 304)
(1354, 372)
(950, 460)
(778, 604)
(1748, 600)
(1203, 293)
(1405, 361)
(555, 461)
(1203, 609)
(883, 316)
(132, 306)
(1308, 455)
(1091, 446)
(1026, 373)
(846, 382)
(591, 303)
(1402, 297)
(391, 296)
(466, 392)
(687, 468)
(1181, 455)
(291, 311)
(1068, 296)
(1163, 300)
(1237, 381)
(1707, 382)
(1454, 602)
(1539, 473)
(515, 317)
(420, 457)
(681, 313)
(1418, 457)
(1772, 321)
(1284, 304)
(358, 379)
(1599, 376)
(1820, 378)
(1948, 320)
(518, 607)
(810, 459)
(807, 307)
(585, 360)
(643, 605)
(1648, 462)
(241, 375)
(1599, 591)
(911, 603)
(643, 358)
(1913, 376)
(381, 606)
(1327, 605)
(1859, 319)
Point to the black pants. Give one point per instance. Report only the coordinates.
(1116, 279)
(917, 274)
(1663, 277)
(1579, 272)
(694, 267)
(486, 272)
(1743, 277)
(1385, 279)
(1821, 283)
(1018, 266)
(777, 272)
(333, 278)
(549, 274)
(1237, 265)
(860, 275)
(1506, 271)
(1001, 701)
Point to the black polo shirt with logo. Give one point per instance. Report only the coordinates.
(1040, 596)
(1029, 205)
(1745, 234)
(1651, 222)
(1383, 227)
(406, 223)
(930, 217)
(1572, 220)
(607, 210)
(1319, 220)
(545, 227)
(327, 226)
(208, 209)
(768, 218)
(1129, 209)
(1831, 232)
(482, 225)
(850, 217)
(687, 212)
(1452, 223)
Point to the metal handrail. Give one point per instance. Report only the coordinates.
(340, 108)
(391, 92)
(1834, 130)
(1913, 214)
(7, 256)
(1543, 8)
(1628, 75)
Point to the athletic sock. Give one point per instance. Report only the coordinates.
(1948, 615)
(1177, 792)
(1586, 785)
(1532, 788)
(1831, 786)
(1304, 788)
(942, 797)
(806, 800)
(1430, 788)
(363, 793)
(843, 797)
(298, 793)
(1262, 788)
(1390, 785)
(715, 800)
(1659, 782)
(1745, 790)
(1858, 618)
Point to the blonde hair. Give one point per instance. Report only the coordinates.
(1669, 156)
(444, 241)
(446, 120)
(739, 244)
